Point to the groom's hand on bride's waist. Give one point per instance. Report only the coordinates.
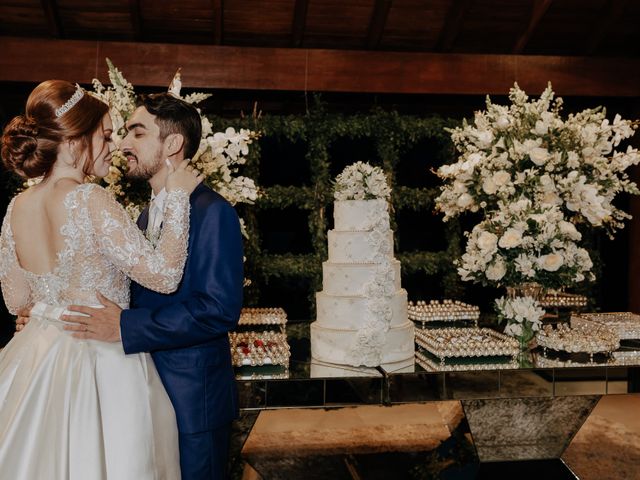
(95, 323)
(23, 317)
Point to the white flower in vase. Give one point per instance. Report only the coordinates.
(536, 175)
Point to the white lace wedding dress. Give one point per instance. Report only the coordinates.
(80, 409)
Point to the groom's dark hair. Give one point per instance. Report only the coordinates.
(175, 116)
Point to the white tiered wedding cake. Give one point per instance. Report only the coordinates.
(362, 310)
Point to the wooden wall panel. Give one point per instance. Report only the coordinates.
(223, 67)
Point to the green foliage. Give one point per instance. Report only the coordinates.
(391, 135)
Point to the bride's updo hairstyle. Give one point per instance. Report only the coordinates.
(56, 111)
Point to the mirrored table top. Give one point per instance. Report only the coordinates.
(309, 382)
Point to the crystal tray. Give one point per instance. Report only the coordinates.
(273, 372)
(445, 311)
(626, 324)
(466, 342)
(262, 316)
(628, 357)
(259, 348)
(579, 338)
(428, 363)
(555, 299)
(550, 362)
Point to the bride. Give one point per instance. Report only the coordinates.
(69, 408)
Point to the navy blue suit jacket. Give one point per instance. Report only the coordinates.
(186, 331)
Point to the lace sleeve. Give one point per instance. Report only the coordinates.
(160, 268)
(15, 287)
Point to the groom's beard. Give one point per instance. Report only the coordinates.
(145, 172)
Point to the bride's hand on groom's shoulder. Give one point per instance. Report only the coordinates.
(23, 317)
(185, 177)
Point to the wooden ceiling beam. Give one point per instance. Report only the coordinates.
(299, 22)
(378, 21)
(540, 7)
(603, 24)
(226, 67)
(50, 8)
(218, 21)
(452, 25)
(136, 18)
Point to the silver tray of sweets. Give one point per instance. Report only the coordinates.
(262, 316)
(428, 363)
(259, 348)
(543, 361)
(626, 324)
(557, 299)
(453, 342)
(279, 372)
(578, 339)
(445, 311)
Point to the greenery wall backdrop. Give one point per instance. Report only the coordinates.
(296, 161)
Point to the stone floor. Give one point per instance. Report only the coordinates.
(414, 442)
(608, 444)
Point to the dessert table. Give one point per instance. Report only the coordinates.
(524, 410)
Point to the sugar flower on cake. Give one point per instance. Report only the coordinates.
(361, 181)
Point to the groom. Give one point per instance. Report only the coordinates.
(186, 331)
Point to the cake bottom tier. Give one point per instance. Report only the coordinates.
(333, 345)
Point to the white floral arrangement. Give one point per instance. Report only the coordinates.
(219, 154)
(523, 316)
(535, 176)
(522, 243)
(361, 181)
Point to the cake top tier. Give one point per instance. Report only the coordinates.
(361, 215)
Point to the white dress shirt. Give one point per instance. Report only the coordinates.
(156, 213)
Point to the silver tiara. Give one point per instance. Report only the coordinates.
(75, 98)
